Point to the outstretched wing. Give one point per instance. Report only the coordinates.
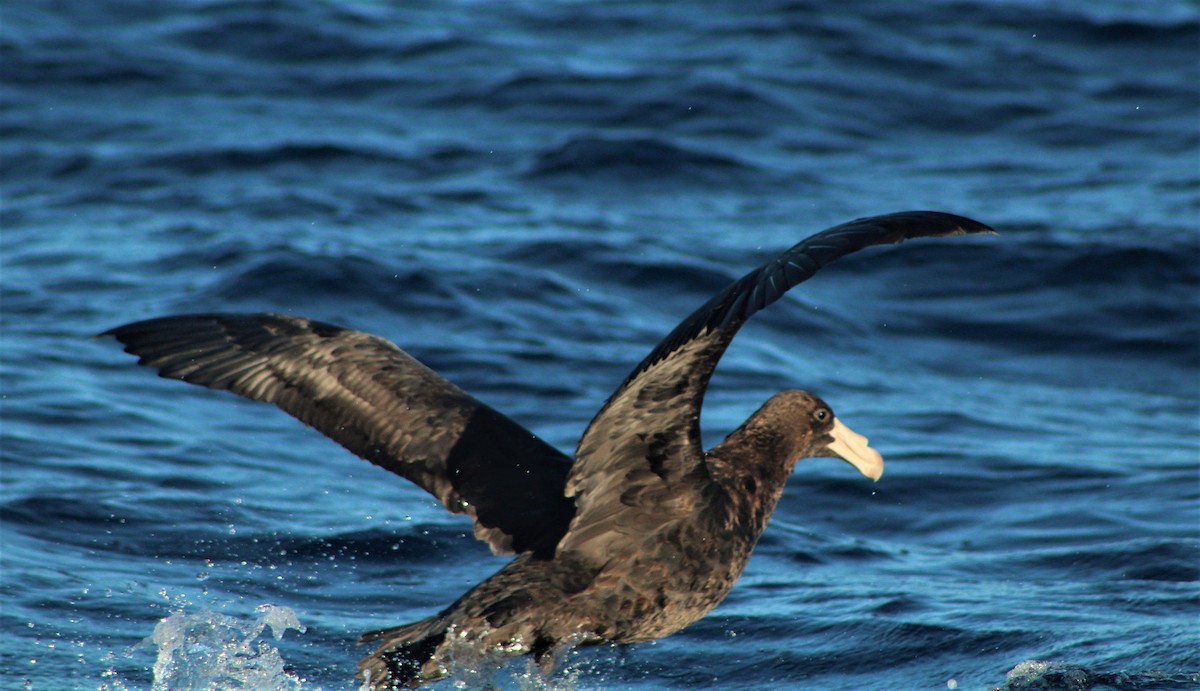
(379, 402)
(646, 438)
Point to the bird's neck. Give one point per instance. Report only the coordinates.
(751, 467)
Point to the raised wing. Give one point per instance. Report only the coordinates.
(646, 438)
(380, 403)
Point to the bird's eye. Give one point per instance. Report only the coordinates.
(822, 415)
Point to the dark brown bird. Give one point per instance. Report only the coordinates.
(640, 536)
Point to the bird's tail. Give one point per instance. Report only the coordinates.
(406, 657)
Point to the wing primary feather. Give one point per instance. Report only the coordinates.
(731, 307)
(380, 403)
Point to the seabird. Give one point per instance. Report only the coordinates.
(638, 536)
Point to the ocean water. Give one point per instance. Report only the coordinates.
(527, 196)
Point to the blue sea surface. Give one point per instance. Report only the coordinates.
(527, 196)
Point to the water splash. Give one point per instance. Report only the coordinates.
(1038, 675)
(471, 666)
(217, 651)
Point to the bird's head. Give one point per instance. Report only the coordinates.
(819, 432)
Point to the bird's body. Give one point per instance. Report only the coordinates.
(660, 576)
(640, 536)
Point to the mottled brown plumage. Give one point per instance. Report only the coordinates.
(640, 536)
